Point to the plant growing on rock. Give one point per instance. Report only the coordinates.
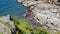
(21, 26)
(40, 30)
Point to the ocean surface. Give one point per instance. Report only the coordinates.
(11, 7)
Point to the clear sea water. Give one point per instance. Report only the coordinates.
(11, 7)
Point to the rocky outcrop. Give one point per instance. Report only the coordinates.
(44, 12)
(6, 25)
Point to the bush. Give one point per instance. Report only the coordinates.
(23, 28)
(40, 30)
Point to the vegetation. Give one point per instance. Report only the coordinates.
(57, 33)
(1, 32)
(8, 25)
(40, 30)
(23, 28)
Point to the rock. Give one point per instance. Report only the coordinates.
(6, 25)
(20, 0)
(46, 13)
(57, 2)
(29, 3)
(4, 29)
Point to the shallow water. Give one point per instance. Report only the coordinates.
(11, 7)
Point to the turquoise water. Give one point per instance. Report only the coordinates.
(11, 7)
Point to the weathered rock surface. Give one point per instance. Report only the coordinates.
(6, 25)
(45, 12)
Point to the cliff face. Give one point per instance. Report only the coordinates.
(44, 12)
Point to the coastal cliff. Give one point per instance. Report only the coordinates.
(44, 13)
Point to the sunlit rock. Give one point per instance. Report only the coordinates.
(45, 12)
(6, 25)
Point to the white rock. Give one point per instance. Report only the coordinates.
(20, 0)
(28, 3)
(45, 12)
(4, 28)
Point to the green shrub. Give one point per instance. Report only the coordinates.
(40, 30)
(23, 28)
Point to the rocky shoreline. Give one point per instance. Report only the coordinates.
(43, 12)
